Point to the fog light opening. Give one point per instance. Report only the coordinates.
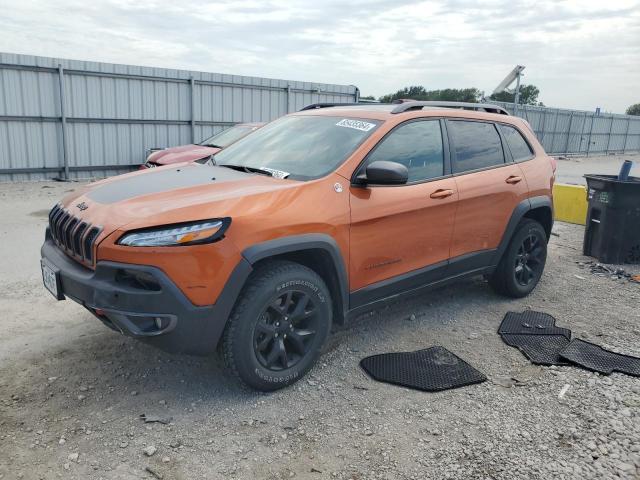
(158, 323)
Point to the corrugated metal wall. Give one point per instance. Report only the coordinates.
(115, 113)
(576, 132)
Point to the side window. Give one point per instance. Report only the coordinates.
(476, 145)
(520, 149)
(417, 146)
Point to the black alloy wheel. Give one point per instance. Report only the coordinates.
(285, 331)
(522, 263)
(529, 259)
(278, 326)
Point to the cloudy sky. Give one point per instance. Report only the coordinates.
(581, 54)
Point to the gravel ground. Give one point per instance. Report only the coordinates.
(72, 392)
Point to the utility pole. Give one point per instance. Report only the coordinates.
(515, 74)
(516, 100)
(63, 121)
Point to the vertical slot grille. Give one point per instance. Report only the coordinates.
(71, 234)
(77, 239)
(88, 243)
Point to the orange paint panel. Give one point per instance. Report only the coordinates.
(199, 271)
(485, 204)
(539, 175)
(398, 229)
(263, 214)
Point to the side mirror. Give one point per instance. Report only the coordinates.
(384, 173)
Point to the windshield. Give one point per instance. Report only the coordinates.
(299, 147)
(229, 136)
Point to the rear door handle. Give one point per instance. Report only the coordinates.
(513, 179)
(442, 193)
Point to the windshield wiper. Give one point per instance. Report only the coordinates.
(211, 145)
(242, 168)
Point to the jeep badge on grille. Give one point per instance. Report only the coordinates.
(82, 206)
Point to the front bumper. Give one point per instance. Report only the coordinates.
(154, 311)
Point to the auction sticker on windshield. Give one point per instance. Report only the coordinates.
(276, 173)
(357, 124)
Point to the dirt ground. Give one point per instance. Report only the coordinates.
(72, 391)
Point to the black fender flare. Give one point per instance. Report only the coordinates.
(299, 243)
(518, 214)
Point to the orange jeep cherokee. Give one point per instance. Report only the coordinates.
(318, 215)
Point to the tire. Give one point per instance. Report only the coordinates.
(271, 315)
(522, 263)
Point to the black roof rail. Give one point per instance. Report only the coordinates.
(314, 106)
(417, 105)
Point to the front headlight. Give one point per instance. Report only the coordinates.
(192, 233)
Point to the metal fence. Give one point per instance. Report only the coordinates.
(67, 117)
(576, 132)
(74, 118)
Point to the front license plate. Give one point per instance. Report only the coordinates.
(51, 280)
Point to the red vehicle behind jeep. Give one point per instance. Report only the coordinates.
(201, 151)
(315, 217)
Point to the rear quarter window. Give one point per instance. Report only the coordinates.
(476, 145)
(519, 147)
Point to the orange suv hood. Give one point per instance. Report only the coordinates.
(172, 194)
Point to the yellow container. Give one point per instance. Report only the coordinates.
(570, 203)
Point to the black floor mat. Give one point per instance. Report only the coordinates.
(535, 334)
(594, 357)
(539, 349)
(531, 323)
(432, 370)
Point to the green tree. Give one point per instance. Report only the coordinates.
(367, 97)
(418, 92)
(528, 96)
(634, 109)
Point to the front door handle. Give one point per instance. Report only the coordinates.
(513, 179)
(442, 193)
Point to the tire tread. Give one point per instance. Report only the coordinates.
(499, 279)
(261, 278)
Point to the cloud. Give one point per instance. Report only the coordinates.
(581, 54)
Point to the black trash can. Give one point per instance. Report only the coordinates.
(612, 233)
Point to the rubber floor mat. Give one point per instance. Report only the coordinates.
(594, 357)
(433, 369)
(539, 349)
(530, 322)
